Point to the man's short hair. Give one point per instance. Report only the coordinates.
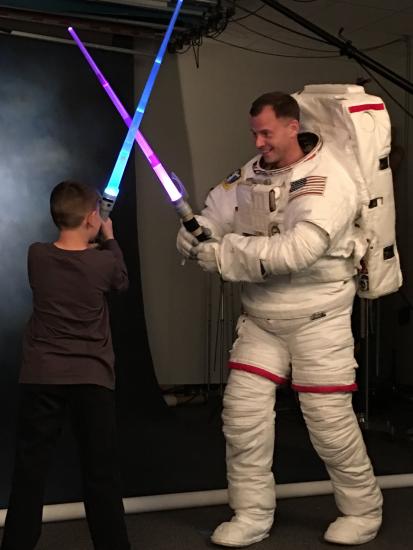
(70, 202)
(283, 105)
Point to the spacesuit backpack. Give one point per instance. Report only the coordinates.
(356, 127)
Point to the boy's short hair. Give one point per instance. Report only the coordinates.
(283, 105)
(70, 202)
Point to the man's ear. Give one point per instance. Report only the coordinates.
(91, 218)
(294, 127)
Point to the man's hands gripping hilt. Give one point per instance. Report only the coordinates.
(205, 252)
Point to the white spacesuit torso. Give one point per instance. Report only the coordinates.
(258, 202)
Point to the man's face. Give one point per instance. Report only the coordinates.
(275, 138)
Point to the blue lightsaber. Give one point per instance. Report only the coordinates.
(112, 189)
(170, 183)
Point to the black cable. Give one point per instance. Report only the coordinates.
(274, 54)
(345, 47)
(249, 15)
(284, 43)
(219, 30)
(283, 26)
(181, 52)
(195, 48)
(385, 90)
(370, 48)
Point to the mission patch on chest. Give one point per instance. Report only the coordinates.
(231, 179)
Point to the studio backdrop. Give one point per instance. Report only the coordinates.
(57, 123)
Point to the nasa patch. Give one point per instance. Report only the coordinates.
(232, 178)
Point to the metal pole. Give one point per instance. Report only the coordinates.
(222, 333)
(208, 332)
(364, 336)
(377, 338)
(345, 47)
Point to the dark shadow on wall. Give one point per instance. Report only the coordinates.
(57, 123)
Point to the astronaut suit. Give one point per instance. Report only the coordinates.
(289, 235)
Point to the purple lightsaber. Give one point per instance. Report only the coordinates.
(183, 208)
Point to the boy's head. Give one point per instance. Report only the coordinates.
(73, 203)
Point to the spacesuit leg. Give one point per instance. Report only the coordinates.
(248, 418)
(336, 436)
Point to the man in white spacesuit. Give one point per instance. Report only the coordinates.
(284, 225)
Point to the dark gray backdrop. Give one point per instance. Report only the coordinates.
(57, 123)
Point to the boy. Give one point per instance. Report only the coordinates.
(68, 367)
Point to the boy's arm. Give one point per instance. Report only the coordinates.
(120, 280)
(30, 259)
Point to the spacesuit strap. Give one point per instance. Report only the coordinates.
(252, 259)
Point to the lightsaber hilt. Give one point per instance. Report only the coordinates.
(106, 205)
(189, 221)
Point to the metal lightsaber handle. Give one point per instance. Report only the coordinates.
(189, 221)
(106, 205)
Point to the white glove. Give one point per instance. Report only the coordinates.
(185, 242)
(207, 256)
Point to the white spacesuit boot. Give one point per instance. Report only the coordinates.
(248, 418)
(337, 438)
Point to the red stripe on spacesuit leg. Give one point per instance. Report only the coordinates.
(324, 389)
(258, 371)
(367, 107)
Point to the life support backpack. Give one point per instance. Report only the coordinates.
(356, 127)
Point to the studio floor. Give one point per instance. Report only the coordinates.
(183, 449)
(299, 525)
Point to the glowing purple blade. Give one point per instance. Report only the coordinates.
(163, 176)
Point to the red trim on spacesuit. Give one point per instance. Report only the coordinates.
(257, 370)
(324, 389)
(367, 107)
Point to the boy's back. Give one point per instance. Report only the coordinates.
(67, 339)
(68, 371)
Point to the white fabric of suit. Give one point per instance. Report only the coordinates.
(256, 217)
(248, 419)
(261, 218)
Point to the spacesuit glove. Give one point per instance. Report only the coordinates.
(207, 256)
(185, 242)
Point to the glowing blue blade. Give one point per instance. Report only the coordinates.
(146, 149)
(112, 188)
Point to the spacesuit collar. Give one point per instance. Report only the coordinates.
(310, 144)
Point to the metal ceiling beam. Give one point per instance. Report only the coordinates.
(143, 18)
(63, 20)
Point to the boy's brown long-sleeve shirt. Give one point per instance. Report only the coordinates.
(68, 339)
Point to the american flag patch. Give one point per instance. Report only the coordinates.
(311, 185)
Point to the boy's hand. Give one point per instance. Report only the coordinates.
(107, 229)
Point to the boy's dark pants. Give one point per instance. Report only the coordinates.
(41, 418)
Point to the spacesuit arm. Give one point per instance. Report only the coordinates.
(253, 259)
